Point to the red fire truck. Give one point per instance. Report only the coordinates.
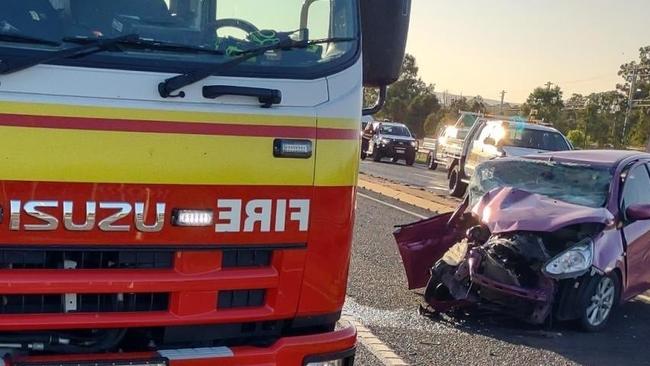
(177, 177)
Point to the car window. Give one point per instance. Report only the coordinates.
(394, 130)
(535, 139)
(636, 188)
(483, 133)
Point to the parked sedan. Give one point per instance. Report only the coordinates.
(562, 236)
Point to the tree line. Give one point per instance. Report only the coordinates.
(597, 120)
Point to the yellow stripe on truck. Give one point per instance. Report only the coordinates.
(37, 154)
(337, 163)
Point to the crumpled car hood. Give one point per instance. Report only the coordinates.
(509, 209)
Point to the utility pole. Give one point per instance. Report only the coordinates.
(548, 85)
(503, 96)
(630, 103)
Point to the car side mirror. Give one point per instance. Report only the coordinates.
(638, 212)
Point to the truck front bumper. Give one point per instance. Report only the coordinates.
(290, 351)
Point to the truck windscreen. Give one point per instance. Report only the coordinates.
(177, 35)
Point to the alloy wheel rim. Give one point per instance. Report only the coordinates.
(601, 302)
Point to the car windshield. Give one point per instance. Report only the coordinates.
(534, 139)
(394, 131)
(579, 184)
(223, 26)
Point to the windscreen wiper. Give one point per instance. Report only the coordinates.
(23, 38)
(94, 46)
(167, 87)
(144, 43)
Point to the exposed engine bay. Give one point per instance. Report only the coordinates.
(504, 271)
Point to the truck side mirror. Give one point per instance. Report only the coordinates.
(384, 27)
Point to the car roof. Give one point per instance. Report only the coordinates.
(525, 125)
(595, 157)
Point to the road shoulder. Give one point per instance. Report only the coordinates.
(412, 196)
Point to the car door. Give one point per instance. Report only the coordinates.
(636, 190)
(421, 244)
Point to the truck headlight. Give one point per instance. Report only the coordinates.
(385, 141)
(413, 143)
(573, 262)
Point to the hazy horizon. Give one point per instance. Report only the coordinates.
(480, 47)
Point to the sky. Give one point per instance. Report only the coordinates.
(480, 47)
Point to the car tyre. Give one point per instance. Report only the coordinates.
(410, 159)
(376, 155)
(431, 161)
(599, 301)
(457, 187)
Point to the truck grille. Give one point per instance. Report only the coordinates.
(233, 258)
(84, 303)
(241, 299)
(96, 287)
(85, 259)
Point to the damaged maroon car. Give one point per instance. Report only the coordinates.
(562, 236)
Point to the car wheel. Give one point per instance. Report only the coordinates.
(410, 159)
(431, 161)
(457, 187)
(598, 301)
(376, 155)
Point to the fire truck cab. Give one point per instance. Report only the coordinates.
(177, 177)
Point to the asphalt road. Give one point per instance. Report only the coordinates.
(378, 298)
(416, 176)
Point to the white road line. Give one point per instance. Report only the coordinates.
(392, 206)
(378, 348)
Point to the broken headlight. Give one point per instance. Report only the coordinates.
(573, 262)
